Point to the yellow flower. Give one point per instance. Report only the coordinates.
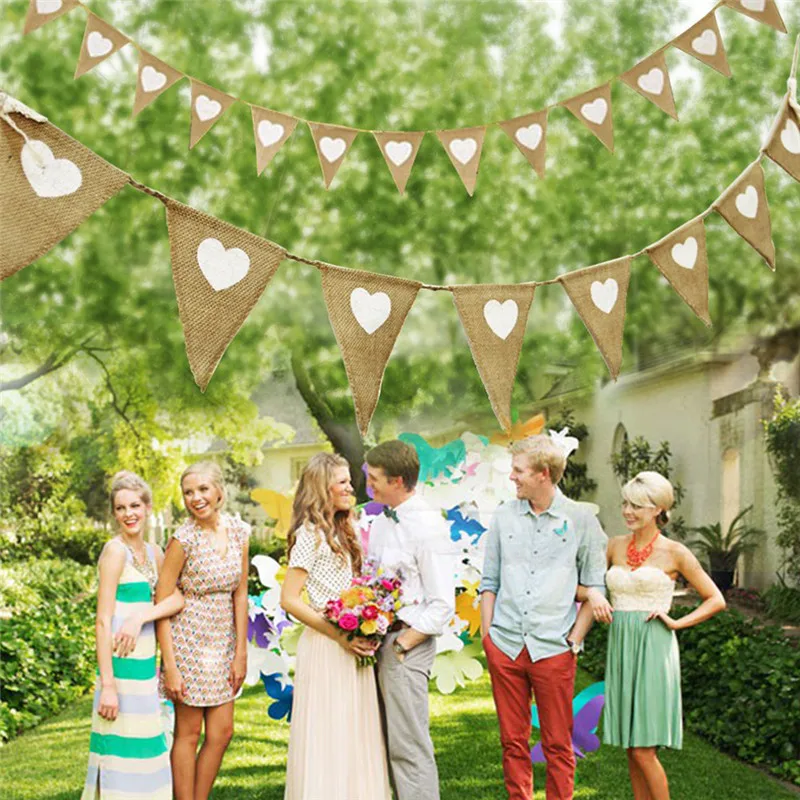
(369, 626)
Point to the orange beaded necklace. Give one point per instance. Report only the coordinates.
(635, 558)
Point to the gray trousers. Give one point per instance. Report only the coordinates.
(404, 695)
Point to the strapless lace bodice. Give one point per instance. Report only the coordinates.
(644, 589)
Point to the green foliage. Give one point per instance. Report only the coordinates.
(721, 550)
(46, 640)
(576, 481)
(782, 603)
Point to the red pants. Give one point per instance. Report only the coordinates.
(552, 680)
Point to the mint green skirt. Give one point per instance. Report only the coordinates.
(643, 684)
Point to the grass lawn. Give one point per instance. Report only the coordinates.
(49, 762)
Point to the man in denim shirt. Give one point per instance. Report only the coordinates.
(539, 548)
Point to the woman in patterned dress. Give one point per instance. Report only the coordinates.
(204, 648)
(128, 755)
(336, 747)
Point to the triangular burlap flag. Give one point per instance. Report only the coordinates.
(333, 143)
(463, 148)
(153, 78)
(367, 312)
(48, 186)
(219, 272)
(744, 207)
(494, 318)
(683, 261)
(399, 150)
(208, 105)
(529, 134)
(270, 130)
(40, 12)
(784, 144)
(651, 79)
(100, 40)
(593, 109)
(599, 294)
(765, 11)
(704, 42)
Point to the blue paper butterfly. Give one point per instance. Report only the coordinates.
(459, 525)
(283, 697)
(433, 461)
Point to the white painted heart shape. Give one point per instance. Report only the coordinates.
(790, 137)
(222, 268)
(97, 45)
(529, 137)
(501, 317)
(332, 149)
(706, 43)
(747, 202)
(754, 5)
(463, 150)
(604, 295)
(48, 6)
(152, 80)
(684, 254)
(370, 310)
(270, 133)
(595, 111)
(206, 108)
(399, 152)
(652, 82)
(49, 176)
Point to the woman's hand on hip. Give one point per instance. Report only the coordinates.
(665, 618)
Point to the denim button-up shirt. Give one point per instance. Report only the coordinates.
(534, 563)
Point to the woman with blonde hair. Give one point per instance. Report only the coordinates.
(128, 749)
(336, 748)
(643, 681)
(204, 648)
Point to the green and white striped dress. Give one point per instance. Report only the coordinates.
(129, 757)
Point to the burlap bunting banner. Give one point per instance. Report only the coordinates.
(784, 144)
(219, 272)
(40, 12)
(744, 207)
(208, 105)
(704, 42)
(463, 148)
(765, 11)
(683, 261)
(599, 295)
(650, 78)
(400, 151)
(48, 186)
(494, 318)
(367, 311)
(100, 40)
(529, 134)
(333, 143)
(593, 109)
(153, 78)
(271, 131)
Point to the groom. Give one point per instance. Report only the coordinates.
(411, 538)
(538, 549)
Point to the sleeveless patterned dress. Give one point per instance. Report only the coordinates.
(128, 756)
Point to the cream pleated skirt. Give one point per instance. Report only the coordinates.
(336, 745)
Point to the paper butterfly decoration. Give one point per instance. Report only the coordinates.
(372, 508)
(282, 694)
(434, 461)
(461, 525)
(452, 668)
(520, 430)
(586, 710)
(568, 444)
(276, 506)
(468, 610)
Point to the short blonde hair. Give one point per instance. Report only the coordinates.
(650, 490)
(127, 480)
(212, 471)
(543, 453)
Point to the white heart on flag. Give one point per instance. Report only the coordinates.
(652, 82)
(501, 317)
(747, 202)
(754, 5)
(49, 176)
(398, 152)
(370, 310)
(529, 137)
(48, 6)
(222, 268)
(269, 132)
(152, 80)
(595, 111)
(790, 137)
(332, 149)
(206, 108)
(97, 45)
(463, 150)
(604, 295)
(685, 254)
(706, 43)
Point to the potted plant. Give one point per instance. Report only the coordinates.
(722, 550)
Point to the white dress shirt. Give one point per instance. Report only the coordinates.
(419, 548)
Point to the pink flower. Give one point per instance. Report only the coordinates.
(383, 625)
(387, 584)
(334, 607)
(348, 622)
(370, 612)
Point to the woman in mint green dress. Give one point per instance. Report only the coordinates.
(643, 678)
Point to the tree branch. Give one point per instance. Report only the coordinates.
(110, 386)
(52, 363)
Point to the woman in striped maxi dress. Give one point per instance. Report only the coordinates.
(128, 755)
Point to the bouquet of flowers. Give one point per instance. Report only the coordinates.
(368, 607)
